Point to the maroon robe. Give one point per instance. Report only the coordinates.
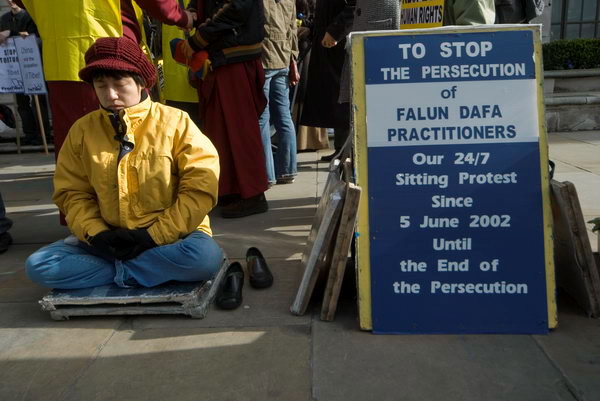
(231, 102)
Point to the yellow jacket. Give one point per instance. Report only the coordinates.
(168, 183)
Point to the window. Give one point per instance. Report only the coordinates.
(575, 19)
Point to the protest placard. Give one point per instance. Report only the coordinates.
(11, 80)
(30, 62)
(455, 223)
(421, 14)
(21, 66)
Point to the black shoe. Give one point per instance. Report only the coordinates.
(228, 200)
(229, 295)
(245, 207)
(329, 158)
(288, 179)
(258, 272)
(5, 241)
(31, 142)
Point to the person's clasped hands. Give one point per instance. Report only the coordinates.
(192, 17)
(197, 61)
(123, 243)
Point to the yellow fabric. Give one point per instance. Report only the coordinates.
(177, 87)
(68, 34)
(139, 14)
(168, 183)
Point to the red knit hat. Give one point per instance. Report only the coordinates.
(121, 54)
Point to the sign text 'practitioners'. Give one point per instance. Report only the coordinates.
(455, 206)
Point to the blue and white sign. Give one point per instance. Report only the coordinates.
(456, 220)
(21, 68)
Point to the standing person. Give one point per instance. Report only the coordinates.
(68, 30)
(232, 99)
(369, 15)
(308, 138)
(135, 180)
(333, 20)
(280, 51)
(13, 23)
(518, 11)
(469, 12)
(5, 225)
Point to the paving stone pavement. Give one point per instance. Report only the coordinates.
(260, 351)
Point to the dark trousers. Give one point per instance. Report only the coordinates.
(339, 137)
(341, 132)
(26, 108)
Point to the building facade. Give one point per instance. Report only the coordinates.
(573, 19)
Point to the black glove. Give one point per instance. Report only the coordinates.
(104, 242)
(130, 243)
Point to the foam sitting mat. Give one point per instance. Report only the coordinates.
(179, 298)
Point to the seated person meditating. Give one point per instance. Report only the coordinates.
(135, 180)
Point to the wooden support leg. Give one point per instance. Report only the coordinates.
(40, 122)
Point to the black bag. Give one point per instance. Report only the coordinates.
(7, 116)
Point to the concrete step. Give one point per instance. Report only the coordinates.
(572, 98)
(572, 111)
(569, 81)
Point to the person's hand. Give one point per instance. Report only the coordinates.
(294, 75)
(122, 243)
(192, 17)
(3, 36)
(104, 242)
(200, 64)
(328, 41)
(181, 51)
(24, 34)
(131, 243)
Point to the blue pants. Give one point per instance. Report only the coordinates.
(276, 91)
(196, 257)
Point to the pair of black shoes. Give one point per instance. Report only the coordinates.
(229, 295)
